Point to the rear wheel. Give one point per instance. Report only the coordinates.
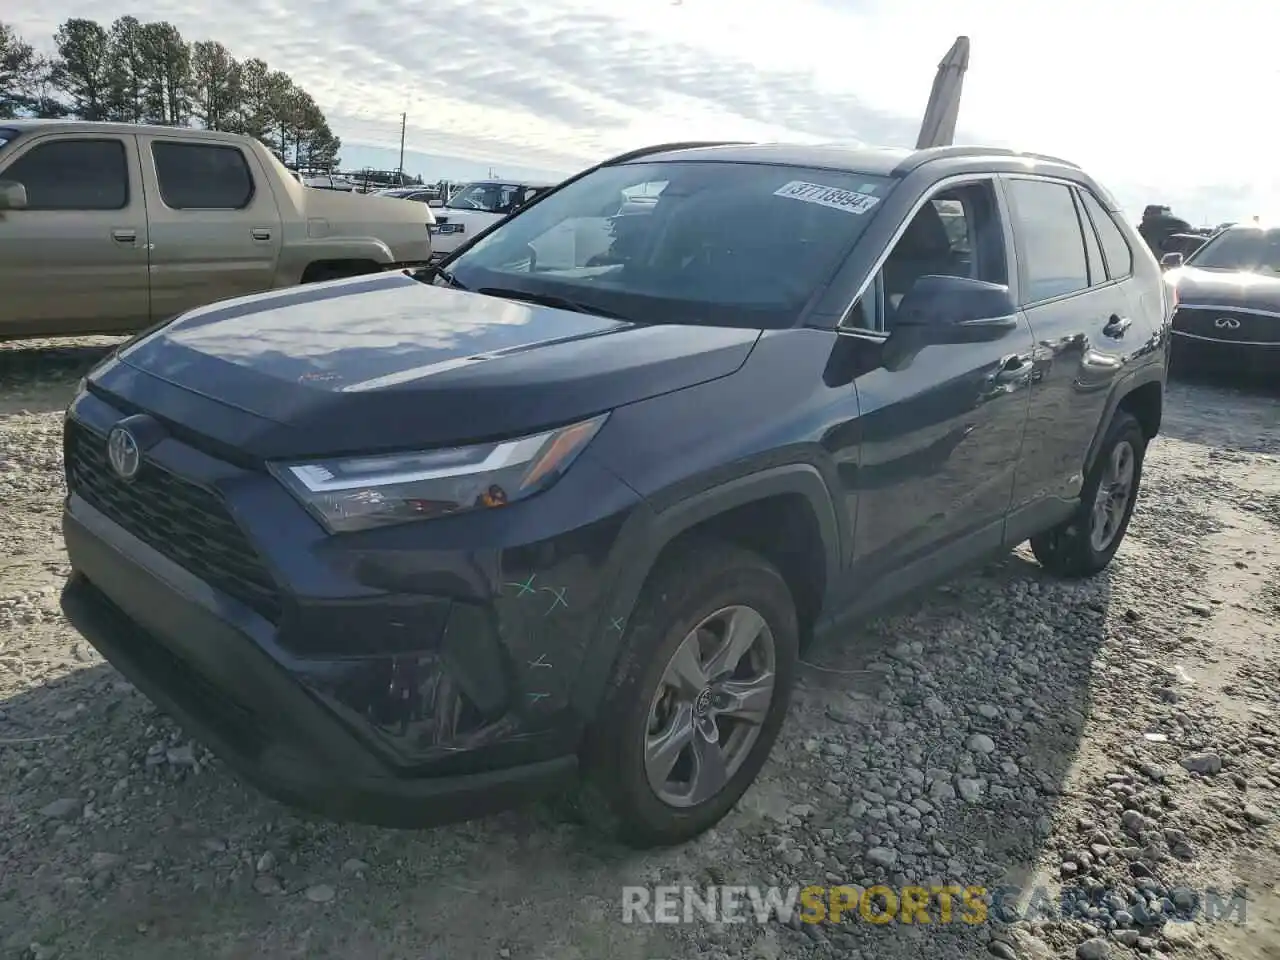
(697, 698)
(1085, 544)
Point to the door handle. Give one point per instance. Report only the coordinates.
(124, 236)
(260, 233)
(1116, 326)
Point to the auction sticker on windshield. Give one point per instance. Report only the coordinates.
(847, 200)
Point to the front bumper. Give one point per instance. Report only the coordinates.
(409, 675)
(251, 713)
(1195, 352)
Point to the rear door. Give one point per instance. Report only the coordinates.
(1080, 316)
(75, 259)
(215, 227)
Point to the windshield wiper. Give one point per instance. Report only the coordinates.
(448, 277)
(550, 300)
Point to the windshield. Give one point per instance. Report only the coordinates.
(735, 244)
(489, 197)
(1246, 249)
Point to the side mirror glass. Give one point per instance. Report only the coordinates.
(1171, 260)
(13, 195)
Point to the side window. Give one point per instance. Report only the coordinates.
(1116, 248)
(1051, 245)
(202, 176)
(955, 233)
(1093, 252)
(73, 175)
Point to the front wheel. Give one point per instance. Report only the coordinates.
(1084, 544)
(697, 699)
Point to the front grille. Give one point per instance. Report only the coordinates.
(1218, 324)
(187, 523)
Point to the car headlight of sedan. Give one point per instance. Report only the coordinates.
(356, 493)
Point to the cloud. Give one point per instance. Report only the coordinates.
(564, 82)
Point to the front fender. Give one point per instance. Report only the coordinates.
(648, 531)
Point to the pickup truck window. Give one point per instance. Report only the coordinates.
(73, 175)
(202, 176)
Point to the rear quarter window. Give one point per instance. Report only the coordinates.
(1115, 247)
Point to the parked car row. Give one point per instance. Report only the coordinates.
(565, 510)
(109, 228)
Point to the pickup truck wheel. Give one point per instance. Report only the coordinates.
(1085, 544)
(699, 693)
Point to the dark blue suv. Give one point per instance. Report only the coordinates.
(411, 547)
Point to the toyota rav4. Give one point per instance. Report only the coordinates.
(413, 546)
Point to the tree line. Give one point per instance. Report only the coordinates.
(136, 72)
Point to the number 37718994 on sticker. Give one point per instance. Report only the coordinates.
(848, 200)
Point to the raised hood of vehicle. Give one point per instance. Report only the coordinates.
(387, 362)
(1226, 288)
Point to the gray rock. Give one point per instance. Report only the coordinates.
(882, 857)
(1256, 815)
(1127, 937)
(354, 866)
(1094, 949)
(320, 893)
(63, 808)
(1206, 764)
(970, 790)
(980, 743)
(266, 862)
(267, 885)
(182, 756)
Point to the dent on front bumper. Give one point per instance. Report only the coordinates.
(411, 674)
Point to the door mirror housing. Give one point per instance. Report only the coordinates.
(940, 309)
(13, 195)
(1171, 260)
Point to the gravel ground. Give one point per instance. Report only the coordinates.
(1116, 738)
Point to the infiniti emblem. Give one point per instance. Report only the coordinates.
(1227, 323)
(122, 451)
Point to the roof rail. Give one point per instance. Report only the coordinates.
(665, 147)
(929, 154)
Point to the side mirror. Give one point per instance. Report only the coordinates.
(1171, 260)
(13, 195)
(941, 310)
(956, 310)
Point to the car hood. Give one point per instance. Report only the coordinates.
(388, 362)
(1222, 288)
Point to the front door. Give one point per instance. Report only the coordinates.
(940, 436)
(215, 227)
(74, 260)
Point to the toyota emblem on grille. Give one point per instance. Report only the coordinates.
(122, 451)
(1227, 323)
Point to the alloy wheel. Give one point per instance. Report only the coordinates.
(707, 712)
(1111, 502)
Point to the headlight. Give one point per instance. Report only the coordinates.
(443, 228)
(361, 492)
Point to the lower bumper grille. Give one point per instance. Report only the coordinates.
(183, 521)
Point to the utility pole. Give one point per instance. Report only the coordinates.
(400, 169)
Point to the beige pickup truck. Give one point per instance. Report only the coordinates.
(108, 227)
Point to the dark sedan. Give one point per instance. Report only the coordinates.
(1228, 315)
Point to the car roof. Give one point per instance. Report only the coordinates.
(876, 161)
(102, 127)
(851, 158)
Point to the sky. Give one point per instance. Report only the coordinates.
(550, 87)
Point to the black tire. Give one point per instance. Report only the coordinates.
(615, 796)
(1067, 550)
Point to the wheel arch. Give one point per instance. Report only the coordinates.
(1142, 395)
(808, 556)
